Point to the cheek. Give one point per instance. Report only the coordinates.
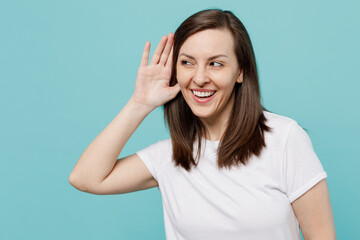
(224, 81)
(183, 79)
(182, 83)
(226, 86)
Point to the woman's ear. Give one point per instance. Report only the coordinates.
(240, 77)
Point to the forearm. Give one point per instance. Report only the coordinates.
(99, 158)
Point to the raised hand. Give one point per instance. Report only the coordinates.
(152, 82)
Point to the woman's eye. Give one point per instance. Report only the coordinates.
(216, 64)
(183, 62)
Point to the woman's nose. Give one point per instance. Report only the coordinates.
(200, 77)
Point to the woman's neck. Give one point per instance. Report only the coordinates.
(214, 128)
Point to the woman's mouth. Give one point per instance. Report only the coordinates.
(203, 96)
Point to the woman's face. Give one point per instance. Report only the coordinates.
(207, 70)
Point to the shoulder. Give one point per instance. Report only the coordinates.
(160, 146)
(157, 153)
(163, 147)
(280, 127)
(164, 143)
(278, 121)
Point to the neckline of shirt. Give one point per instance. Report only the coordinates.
(210, 147)
(212, 142)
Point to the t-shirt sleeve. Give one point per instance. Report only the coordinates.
(303, 168)
(154, 156)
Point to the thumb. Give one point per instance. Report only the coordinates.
(175, 90)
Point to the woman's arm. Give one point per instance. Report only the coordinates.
(99, 158)
(98, 161)
(314, 213)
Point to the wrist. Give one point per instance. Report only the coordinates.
(140, 106)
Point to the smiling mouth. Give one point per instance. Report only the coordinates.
(203, 94)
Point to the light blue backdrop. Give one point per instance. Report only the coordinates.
(68, 67)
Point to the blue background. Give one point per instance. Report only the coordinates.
(68, 67)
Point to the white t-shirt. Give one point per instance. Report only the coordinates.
(251, 202)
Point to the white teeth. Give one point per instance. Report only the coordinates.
(203, 94)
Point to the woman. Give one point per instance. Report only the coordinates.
(231, 170)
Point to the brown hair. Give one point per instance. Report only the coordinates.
(244, 135)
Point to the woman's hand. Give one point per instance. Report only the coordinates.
(152, 82)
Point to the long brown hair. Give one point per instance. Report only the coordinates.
(244, 135)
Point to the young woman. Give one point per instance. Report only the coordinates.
(231, 169)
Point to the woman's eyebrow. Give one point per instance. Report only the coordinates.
(210, 58)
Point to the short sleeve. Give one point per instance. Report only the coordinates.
(154, 156)
(302, 167)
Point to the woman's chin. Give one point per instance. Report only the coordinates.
(201, 113)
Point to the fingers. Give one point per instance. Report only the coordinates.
(157, 53)
(168, 64)
(162, 54)
(165, 54)
(175, 90)
(145, 56)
